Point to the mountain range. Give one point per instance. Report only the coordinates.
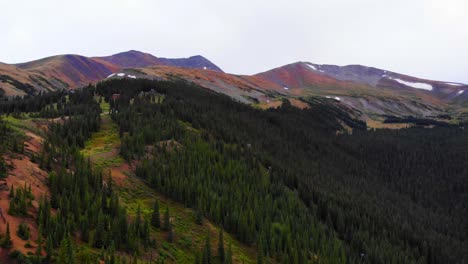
(369, 92)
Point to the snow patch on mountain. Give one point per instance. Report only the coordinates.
(423, 86)
(286, 88)
(455, 84)
(460, 92)
(312, 67)
(121, 74)
(335, 98)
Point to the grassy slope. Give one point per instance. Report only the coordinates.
(25, 124)
(102, 149)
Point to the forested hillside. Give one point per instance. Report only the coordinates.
(87, 216)
(292, 183)
(389, 196)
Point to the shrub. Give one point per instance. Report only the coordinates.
(23, 231)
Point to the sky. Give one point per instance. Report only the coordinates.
(423, 38)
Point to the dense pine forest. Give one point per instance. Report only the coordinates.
(292, 183)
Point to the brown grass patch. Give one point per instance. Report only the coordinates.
(298, 103)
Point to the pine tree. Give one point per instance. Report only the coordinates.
(138, 227)
(260, 253)
(38, 252)
(198, 217)
(110, 187)
(155, 218)
(3, 168)
(66, 252)
(146, 234)
(12, 192)
(170, 233)
(221, 253)
(23, 231)
(167, 219)
(49, 249)
(206, 257)
(229, 255)
(7, 243)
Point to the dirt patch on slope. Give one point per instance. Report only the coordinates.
(299, 104)
(23, 171)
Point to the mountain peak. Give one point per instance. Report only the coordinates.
(138, 59)
(131, 52)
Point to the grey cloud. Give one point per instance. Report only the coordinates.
(425, 38)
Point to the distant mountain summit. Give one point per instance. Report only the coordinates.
(130, 59)
(137, 59)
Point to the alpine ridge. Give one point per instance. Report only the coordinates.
(368, 92)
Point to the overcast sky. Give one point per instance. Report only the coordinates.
(425, 38)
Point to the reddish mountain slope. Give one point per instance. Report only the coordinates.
(370, 90)
(304, 74)
(72, 70)
(15, 81)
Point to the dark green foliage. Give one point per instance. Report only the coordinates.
(145, 235)
(155, 217)
(20, 258)
(198, 217)
(167, 219)
(260, 259)
(6, 241)
(228, 259)
(39, 241)
(53, 104)
(3, 168)
(167, 225)
(206, 254)
(20, 201)
(66, 252)
(221, 253)
(170, 233)
(23, 231)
